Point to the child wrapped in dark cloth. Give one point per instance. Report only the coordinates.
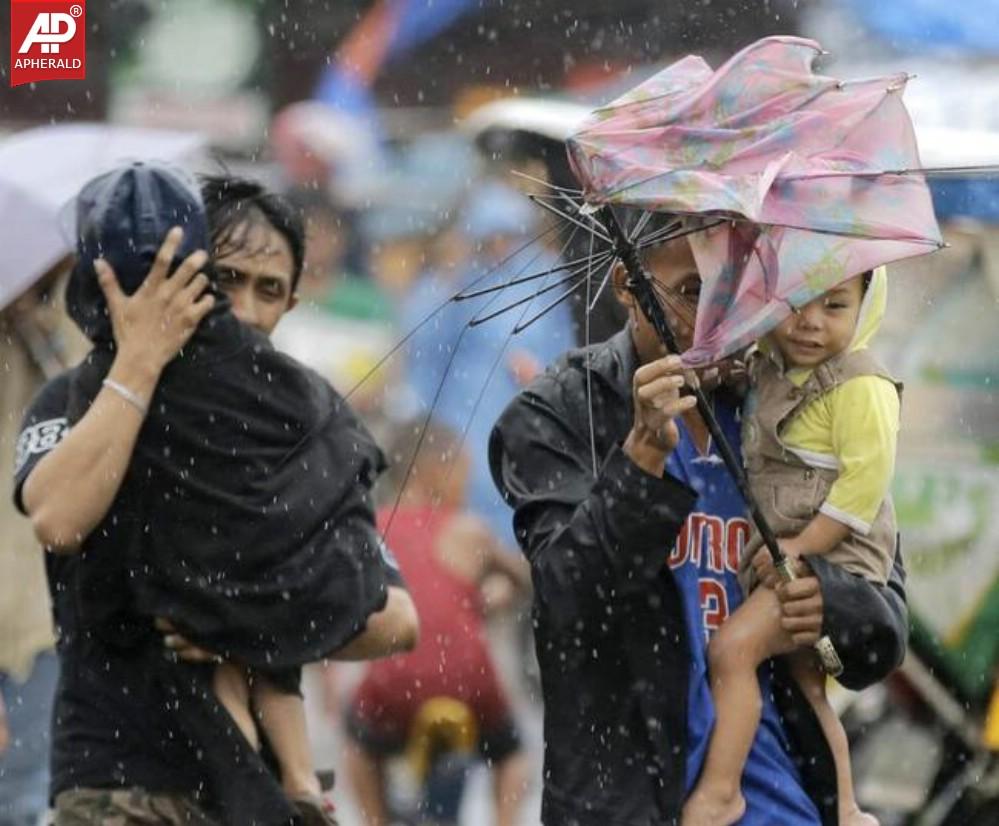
(245, 515)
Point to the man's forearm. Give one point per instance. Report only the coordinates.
(393, 630)
(71, 489)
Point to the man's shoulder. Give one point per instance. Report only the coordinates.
(604, 366)
(583, 387)
(45, 423)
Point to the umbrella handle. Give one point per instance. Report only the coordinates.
(824, 648)
(640, 284)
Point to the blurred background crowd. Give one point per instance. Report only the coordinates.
(407, 132)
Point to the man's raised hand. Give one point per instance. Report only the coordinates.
(657, 401)
(151, 325)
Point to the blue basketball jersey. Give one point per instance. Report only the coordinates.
(705, 562)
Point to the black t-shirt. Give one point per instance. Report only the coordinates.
(112, 727)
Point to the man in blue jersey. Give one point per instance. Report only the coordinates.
(633, 528)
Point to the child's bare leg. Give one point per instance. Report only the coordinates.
(366, 774)
(812, 681)
(232, 688)
(510, 777)
(282, 719)
(750, 636)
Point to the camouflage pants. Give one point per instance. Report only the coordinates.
(126, 807)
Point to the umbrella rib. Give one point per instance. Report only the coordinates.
(656, 236)
(430, 316)
(589, 358)
(641, 224)
(567, 217)
(603, 283)
(543, 182)
(475, 322)
(643, 243)
(914, 170)
(567, 294)
(590, 216)
(464, 296)
(860, 236)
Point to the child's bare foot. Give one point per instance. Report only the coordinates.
(704, 808)
(855, 817)
(314, 810)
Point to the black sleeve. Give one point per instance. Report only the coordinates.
(867, 623)
(588, 539)
(43, 427)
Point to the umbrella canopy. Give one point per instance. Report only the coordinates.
(43, 169)
(801, 180)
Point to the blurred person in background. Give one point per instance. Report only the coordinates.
(37, 341)
(333, 252)
(114, 755)
(467, 375)
(344, 321)
(452, 564)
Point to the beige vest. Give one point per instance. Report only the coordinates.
(788, 489)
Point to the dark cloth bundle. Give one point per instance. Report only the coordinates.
(244, 517)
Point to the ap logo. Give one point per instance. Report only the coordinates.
(47, 40)
(50, 29)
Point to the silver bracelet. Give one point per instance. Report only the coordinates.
(132, 398)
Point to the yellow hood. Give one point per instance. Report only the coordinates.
(872, 310)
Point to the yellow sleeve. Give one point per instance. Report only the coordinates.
(865, 415)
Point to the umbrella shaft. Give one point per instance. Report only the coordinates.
(641, 287)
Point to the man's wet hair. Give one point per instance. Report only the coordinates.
(232, 203)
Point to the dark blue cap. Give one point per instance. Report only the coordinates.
(123, 216)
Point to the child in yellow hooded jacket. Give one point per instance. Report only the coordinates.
(820, 429)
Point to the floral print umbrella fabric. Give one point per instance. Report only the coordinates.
(799, 180)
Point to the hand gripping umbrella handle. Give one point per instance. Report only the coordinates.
(640, 284)
(831, 663)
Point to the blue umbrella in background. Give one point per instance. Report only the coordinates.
(933, 24)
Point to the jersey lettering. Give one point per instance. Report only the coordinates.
(39, 438)
(710, 543)
(714, 604)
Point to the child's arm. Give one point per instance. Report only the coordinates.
(864, 413)
(822, 535)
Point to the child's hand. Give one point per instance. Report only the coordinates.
(791, 548)
(182, 647)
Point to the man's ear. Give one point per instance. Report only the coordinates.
(619, 281)
(292, 302)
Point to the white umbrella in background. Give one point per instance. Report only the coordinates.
(42, 169)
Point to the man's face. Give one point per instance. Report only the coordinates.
(256, 275)
(822, 328)
(678, 287)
